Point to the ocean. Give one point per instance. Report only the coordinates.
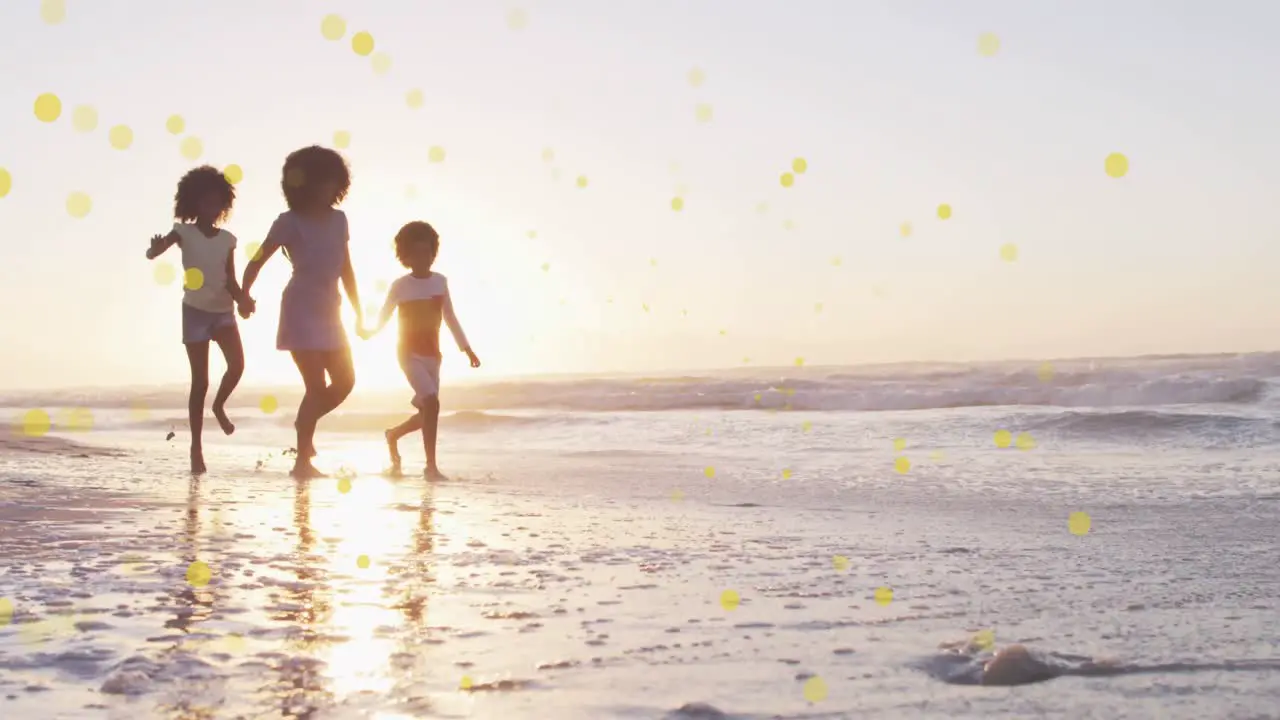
(1080, 538)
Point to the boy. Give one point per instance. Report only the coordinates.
(422, 297)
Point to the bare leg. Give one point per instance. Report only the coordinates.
(430, 424)
(311, 367)
(228, 340)
(198, 357)
(413, 424)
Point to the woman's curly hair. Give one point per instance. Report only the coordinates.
(413, 233)
(306, 170)
(195, 186)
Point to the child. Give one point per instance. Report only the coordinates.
(203, 201)
(315, 239)
(423, 299)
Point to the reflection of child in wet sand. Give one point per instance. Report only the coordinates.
(204, 200)
(422, 297)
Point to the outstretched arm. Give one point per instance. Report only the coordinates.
(160, 243)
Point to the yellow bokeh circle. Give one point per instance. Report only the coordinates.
(436, 154)
(582, 181)
(36, 423)
(840, 562)
(199, 574)
(677, 204)
(78, 205)
(233, 173)
(799, 362)
(48, 107)
(786, 473)
(344, 485)
(6, 182)
(1009, 252)
(191, 147)
(902, 465)
(381, 63)
(1079, 523)
(192, 279)
(465, 683)
(709, 471)
(120, 137)
(414, 98)
(341, 139)
(268, 404)
(899, 444)
(696, 77)
(1116, 165)
(362, 43)
(6, 611)
(253, 250)
(944, 211)
(1003, 438)
(517, 19)
(78, 419)
(84, 118)
(333, 27)
(799, 165)
(1024, 441)
(163, 273)
(53, 12)
(988, 44)
(787, 179)
(815, 689)
(362, 562)
(983, 639)
(729, 600)
(703, 112)
(883, 596)
(1045, 372)
(175, 124)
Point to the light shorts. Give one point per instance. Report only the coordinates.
(201, 325)
(423, 374)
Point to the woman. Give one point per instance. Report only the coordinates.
(315, 238)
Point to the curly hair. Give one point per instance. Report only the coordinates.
(413, 233)
(306, 170)
(198, 184)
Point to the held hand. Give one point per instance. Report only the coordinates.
(475, 361)
(247, 307)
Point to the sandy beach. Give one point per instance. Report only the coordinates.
(675, 565)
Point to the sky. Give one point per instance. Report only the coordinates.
(891, 105)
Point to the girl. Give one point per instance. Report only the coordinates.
(204, 201)
(314, 235)
(422, 297)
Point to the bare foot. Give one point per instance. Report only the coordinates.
(220, 413)
(393, 446)
(197, 463)
(434, 475)
(304, 470)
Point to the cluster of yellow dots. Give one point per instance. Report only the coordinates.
(37, 423)
(334, 28)
(798, 167)
(702, 112)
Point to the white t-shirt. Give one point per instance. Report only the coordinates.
(209, 256)
(423, 303)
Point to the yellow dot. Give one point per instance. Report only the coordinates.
(836, 261)
(548, 154)
(815, 689)
(786, 473)
(788, 224)
(1079, 523)
(988, 44)
(191, 147)
(36, 423)
(883, 596)
(6, 611)
(362, 43)
(899, 444)
(1003, 438)
(905, 229)
(268, 404)
(233, 173)
(762, 207)
(677, 494)
(253, 250)
(341, 139)
(77, 419)
(983, 639)
(436, 154)
(1009, 252)
(362, 562)
(175, 124)
(192, 279)
(53, 12)
(199, 574)
(729, 600)
(677, 204)
(1045, 372)
(703, 112)
(84, 118)
(344, 485)
(787, 179)
(48, 107)
(546, 267)
(163, 273)
(1117, 165)
(6, 182)
(944, 211)
(381, 63)
(799, 165)
(902, 465)
(78, 205)
(709, 471)
(696, 77)
(1024, 441)
(120, 137)
(414, 98)
(747, 361)
(465, 683)
(333, 27)
(517, 19)
(840, 562)
(582, 181)
(806, 426)
(799, 362)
